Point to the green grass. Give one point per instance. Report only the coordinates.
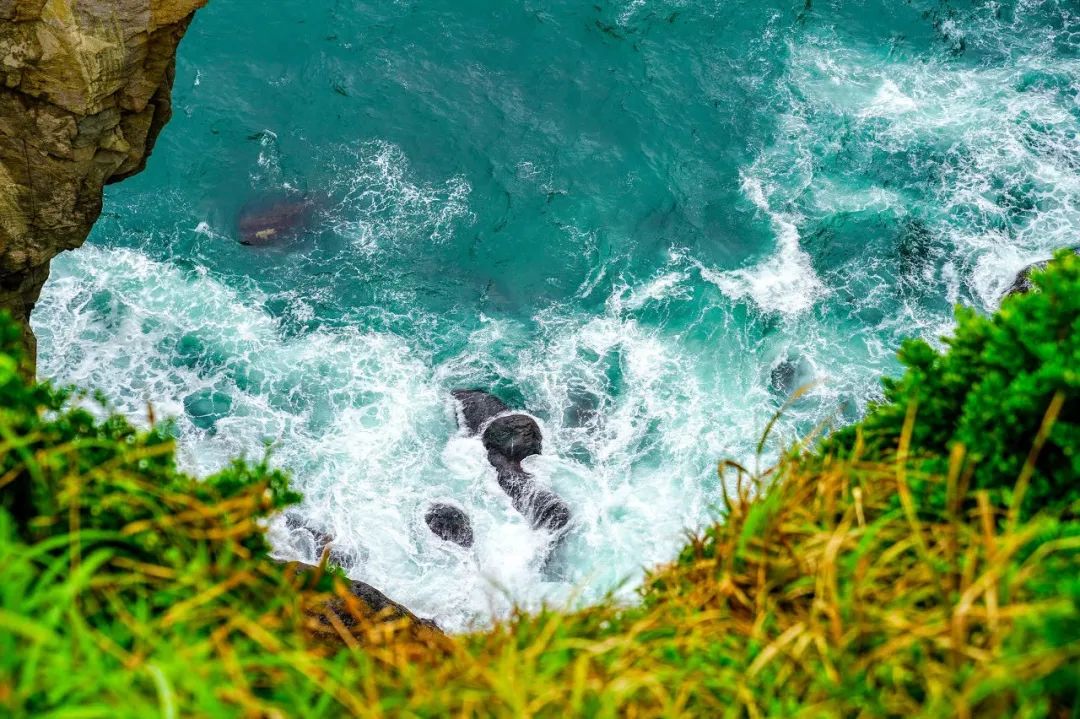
(925, 562)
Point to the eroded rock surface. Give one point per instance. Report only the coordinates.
(85, 88)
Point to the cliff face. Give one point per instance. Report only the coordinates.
(85, 88)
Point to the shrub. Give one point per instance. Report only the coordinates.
(1002, 379)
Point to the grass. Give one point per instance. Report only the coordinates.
(883, 574)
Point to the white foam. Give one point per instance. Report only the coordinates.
(380, 202)
(888, 101)
(785, 282)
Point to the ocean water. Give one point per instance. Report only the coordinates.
(620, 216)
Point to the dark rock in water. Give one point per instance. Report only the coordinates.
(477, 407)
(1023, 283)
(542, 507)
(509, 438)
(319, 542)
(790, 375)
(271, 222)
(380, 604)
(514, 436)
(450, 524)
(782, 377)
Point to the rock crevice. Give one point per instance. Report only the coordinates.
(85, 89)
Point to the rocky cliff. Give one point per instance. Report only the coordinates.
(85, 88)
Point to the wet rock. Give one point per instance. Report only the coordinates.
(272, 222)
(514, 436)
(476, 407)
(450, 524)
(1023, 283)
(319, 541)
(782, 377)
(380, 604)
(543, 508)
(510, 438)
(372, 604)
(790, 375)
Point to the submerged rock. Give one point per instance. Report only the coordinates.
(790, 375)
(476, 408)
(205, 408)
(782, 377)
(268, 222)
(514, 436)
(450, 524)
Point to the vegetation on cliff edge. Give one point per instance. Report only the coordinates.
(921, 563)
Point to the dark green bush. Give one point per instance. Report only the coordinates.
(990, 393)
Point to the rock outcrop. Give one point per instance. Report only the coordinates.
(476, 407)
(509, 438)
(514, 436)
(85, 88)
(372, 604)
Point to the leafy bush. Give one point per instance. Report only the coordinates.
(1002, 380)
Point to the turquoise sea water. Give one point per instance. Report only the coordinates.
(621, 216)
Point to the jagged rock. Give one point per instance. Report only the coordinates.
(477, 407)
(84, 93)
(269, 222)
(450, 524)
(542, 507)
(514, 436)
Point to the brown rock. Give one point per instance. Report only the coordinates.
(85, 88)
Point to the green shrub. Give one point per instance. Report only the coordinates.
(991, 392)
